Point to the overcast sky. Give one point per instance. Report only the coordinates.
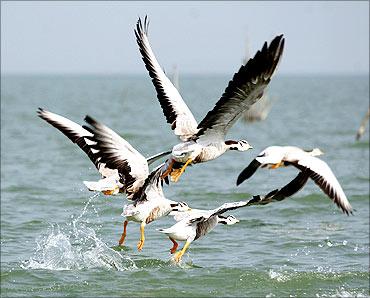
(205, 37)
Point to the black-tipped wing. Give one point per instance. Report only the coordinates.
(285, 192)
(174, 108)
(245, 88)
(118, 154)
(76, 133)
(323, 176)
(248, 171)
(152, 187)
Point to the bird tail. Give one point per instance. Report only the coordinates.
(164, 231)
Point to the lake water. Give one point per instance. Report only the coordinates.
(58, 239)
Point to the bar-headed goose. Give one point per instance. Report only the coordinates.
(109, 184)
(206, 141)
(305, 161)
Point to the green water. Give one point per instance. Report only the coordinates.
(58, 239)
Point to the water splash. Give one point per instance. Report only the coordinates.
(76, 246)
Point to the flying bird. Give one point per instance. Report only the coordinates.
(109, 184)
(361, 130)
(309, 165)
(195, 224)
(141, 186)
(206, 141)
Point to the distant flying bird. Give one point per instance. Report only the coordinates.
(195, 224)
(362, 128)
(306, 162)
(260, 110)
(110, 182)
(206, 141)
(144, 188)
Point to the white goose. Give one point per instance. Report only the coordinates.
(144, 188)
(310, 166)
(206, 141)
(109, 184)
(197, 223)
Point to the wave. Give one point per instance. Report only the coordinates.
(75, 246)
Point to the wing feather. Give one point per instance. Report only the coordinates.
(323, 176)
(117, 153)
(174, 108)
(246, 87)
(77, 134)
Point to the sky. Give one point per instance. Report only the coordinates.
(199, 37)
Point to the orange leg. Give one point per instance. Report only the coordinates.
(179, 254)
(175, 175)
(277, 165)
(174, 247)
(142, 237)
(169, 169)
(123, 236)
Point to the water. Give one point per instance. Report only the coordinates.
(58, 239)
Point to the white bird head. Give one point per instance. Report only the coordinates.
(241, 145)
(229, 220)
(180, 206)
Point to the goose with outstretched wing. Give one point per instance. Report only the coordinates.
(141, 186)
(197, 223)
(206, 141)
(308, 163)
(110, 182)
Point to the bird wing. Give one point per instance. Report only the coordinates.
(323, 176)
(76, 133)
(155, 157)
(152, 188)
(117, 153)
(174, 108)
(246, 87)
(220, 210)
(280, 194)
(248, 171)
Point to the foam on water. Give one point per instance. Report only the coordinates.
(75, 246)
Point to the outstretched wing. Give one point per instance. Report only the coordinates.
(220, 210)
(76, 133)
(246, 87)
(174, 108)
(248, 171)
(118, 154)
(280, 194)
(323, 176)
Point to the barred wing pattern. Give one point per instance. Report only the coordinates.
(117, 153)
(76, 133)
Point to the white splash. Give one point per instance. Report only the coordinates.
(75, 246)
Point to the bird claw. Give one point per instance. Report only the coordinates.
(177, 257)
(140, 245)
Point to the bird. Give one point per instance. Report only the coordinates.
(144, 188)
(206, 141)
(361, 130)
(196, 223)
(308, 163)
(109, 184)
